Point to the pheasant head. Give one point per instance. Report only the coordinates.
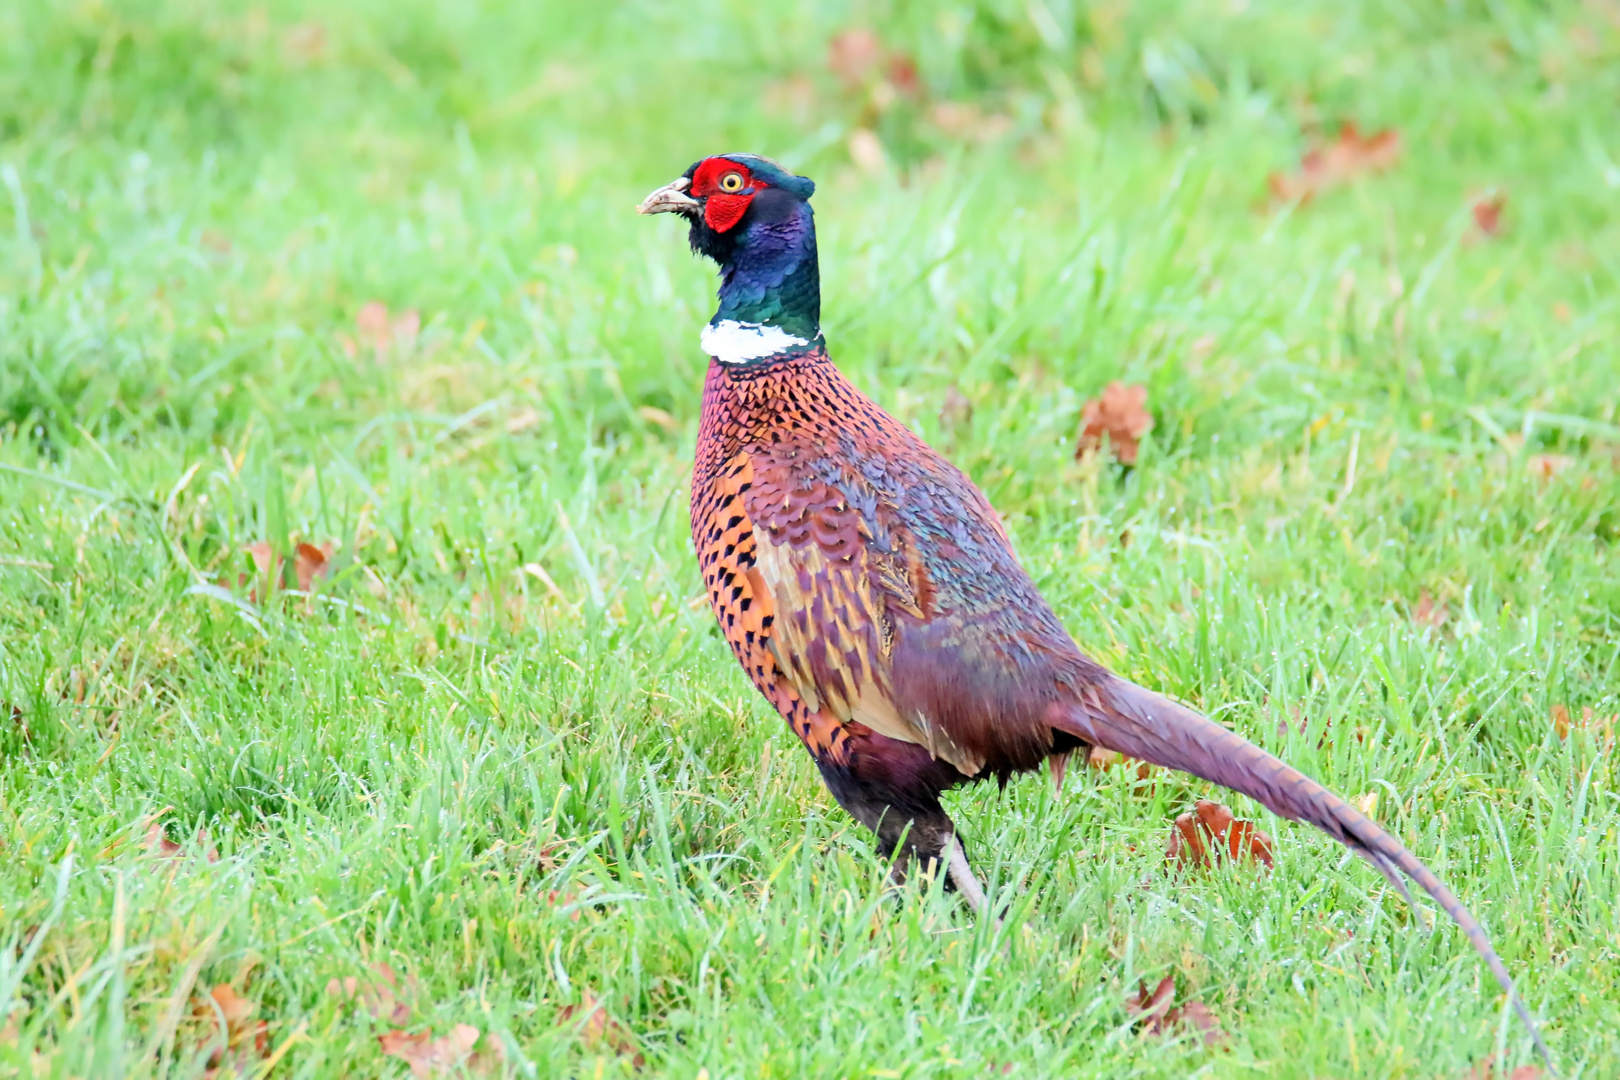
(753, 218)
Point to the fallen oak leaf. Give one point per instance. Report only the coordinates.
(428, 1056)
(1199, 836)
(1487, 211)
(1120, 413)
(1348, 157)
(1202, 1019)
(376, 998)
(1245, 840)
(385, 333)
(267, 570)
(311, 562)
(901, 73)
(233, 1006)
(854, 54)
(372, 324)
(866, 150)
(1148, 1009)
(1546, 466)
(1486, 1070)
(1428, 613)
(1155, 1014)
(156, 841)
(263, 555)
(557, 898)
(1600, 726)
(242, 1042)
(596, 1029)
(304, 43)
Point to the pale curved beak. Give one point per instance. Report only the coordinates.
(670, 199)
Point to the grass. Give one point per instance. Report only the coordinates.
(503, 753)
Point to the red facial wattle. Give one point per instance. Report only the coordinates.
(726, 188)
(724, 211)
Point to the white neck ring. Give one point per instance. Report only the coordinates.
(733, 342)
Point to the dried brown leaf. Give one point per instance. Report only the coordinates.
(380, 997)
(1209, 832)
(405, 327)
(1547, 466)
(1487, 210)
(563, 899)
(598, 1030)
(372, 324)
(901, 73)
(1349, 157)
(1121, 414)
(244, 1042)
(1202, 1019)
(853, 55)
(1156, 1015)
(966, 121)
(1487, 1070)
(155, 841)
(304, 43)
(264, 556)
(311, 562)
(1148, 1009)
(866, 150)
(1602, 727)
(233, 1006)
(547, 855)
(428, 1056)
(1245, 840)
(384, 333)
(1186, 846)
(1428, 613)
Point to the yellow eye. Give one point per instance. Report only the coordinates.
(731, 182)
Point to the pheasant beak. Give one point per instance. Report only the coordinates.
(670, 199)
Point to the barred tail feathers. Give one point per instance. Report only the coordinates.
(1119, 715)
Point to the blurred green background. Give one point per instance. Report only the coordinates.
(367, 275)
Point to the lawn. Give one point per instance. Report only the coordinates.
(473, 782)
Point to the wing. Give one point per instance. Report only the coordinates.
(743, 604)
(846, 583)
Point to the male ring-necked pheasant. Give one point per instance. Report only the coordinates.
(871, 593)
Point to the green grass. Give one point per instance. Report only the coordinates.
(516, 793)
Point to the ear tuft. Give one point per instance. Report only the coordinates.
(773, 174)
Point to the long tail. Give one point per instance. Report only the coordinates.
(1119, 715)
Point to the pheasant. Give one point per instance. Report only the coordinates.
(872, 595)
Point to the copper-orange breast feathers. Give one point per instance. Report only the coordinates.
(848, 561)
